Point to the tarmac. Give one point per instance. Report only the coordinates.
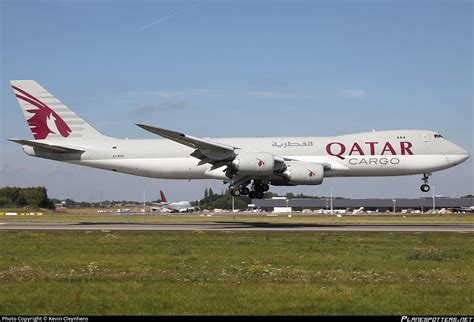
(236, 227)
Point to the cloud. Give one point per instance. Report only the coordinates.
(169, 16)
(151, 109)
(352, 92)
(211, 92)
(266, 93)
(166, 93)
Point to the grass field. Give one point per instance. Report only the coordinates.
(134, 273)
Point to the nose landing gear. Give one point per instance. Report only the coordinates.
(425, 187)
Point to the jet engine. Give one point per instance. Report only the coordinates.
(255, 163)
(303, 173)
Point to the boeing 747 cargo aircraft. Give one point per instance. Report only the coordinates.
(248, 165)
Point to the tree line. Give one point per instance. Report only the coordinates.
(36, 197)
(223, 200)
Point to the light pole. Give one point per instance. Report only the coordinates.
(331, 201)
(394, 202)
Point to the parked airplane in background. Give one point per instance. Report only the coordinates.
(177, 206)
(62, 135)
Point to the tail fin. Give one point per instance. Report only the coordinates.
(163, 198)
(47, 117)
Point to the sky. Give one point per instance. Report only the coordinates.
(239, 69)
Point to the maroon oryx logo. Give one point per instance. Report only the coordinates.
(311, 173)
(42, 118)
(260, 162)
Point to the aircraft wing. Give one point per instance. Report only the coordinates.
(162, 206)
(217, 154)
(46, 146)
(162, 209)
(207, 151)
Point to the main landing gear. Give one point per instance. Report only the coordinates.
(425, 187)
(257, 191)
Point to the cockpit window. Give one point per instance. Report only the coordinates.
(437, 136)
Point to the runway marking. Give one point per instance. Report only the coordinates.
(235, 227)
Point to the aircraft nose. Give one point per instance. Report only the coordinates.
(460, 155)
(465, 155)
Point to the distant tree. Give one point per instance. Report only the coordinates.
(221, 201)
(269, 195)
(70, 202)
(4, 201)
(54, 200)
(20, 197)
(211, 195)
(20, 201)
(468, 196)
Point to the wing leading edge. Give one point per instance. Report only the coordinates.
(207, 151)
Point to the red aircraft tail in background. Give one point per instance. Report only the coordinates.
(163, 198)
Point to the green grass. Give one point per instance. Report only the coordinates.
(135, 273)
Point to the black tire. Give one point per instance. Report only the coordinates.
(252, 194)
(425, 187)
(265, 187)
(259, 194)
(235, 192)
(257, 187)
(245, 191)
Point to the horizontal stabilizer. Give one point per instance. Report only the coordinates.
(47, 147)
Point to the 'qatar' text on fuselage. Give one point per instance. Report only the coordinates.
(338, 149)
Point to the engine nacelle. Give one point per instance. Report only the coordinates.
(303, 173)
(258, 163)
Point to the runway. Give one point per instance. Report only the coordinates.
(237, 227)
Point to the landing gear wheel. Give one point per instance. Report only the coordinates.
(245, 191)
(235, 192)
(259, 194)
(265, 187)
(425, 187)
(257, 187)
(252, 194)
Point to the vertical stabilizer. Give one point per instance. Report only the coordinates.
(163, 198)
(47, 116)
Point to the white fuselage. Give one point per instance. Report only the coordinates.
(176, 206)
(384, 153)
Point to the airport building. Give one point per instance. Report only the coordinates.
(396, 204)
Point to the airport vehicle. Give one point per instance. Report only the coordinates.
(175, 206)
(248, 165)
